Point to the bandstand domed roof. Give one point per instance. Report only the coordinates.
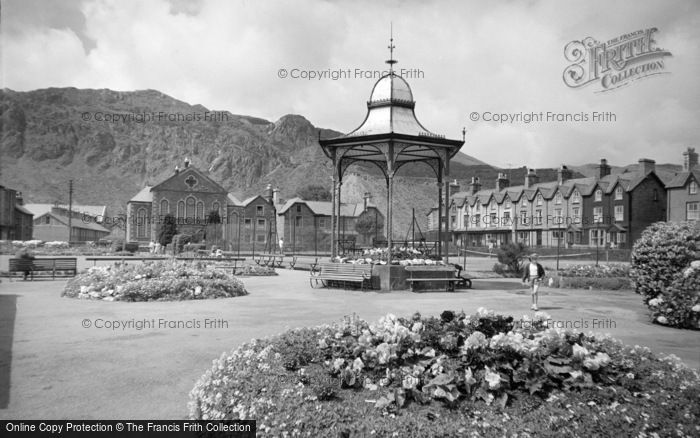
(391, 87)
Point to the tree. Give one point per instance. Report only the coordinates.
(213, 222)
(512, 255)
(314, 192)
(368, 224)
(167, 230)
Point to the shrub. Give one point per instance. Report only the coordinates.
(512, 255)
(25, 253)
(663, 251)
(611, 270)
(679, 305)
(161, 280)
(179, 241)
(611, 283)
(131, 247)
(448, 376)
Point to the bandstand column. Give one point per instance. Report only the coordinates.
(338, 216)
(333, 199)
(389, 221)
(447, 218)
(439, 218)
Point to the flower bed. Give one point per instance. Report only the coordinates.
(606, 283)
(478, 375)
(404, 256)
(611, 270)
(158, 281)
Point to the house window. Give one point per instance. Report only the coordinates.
(693, 188)
(598, 195)
(523, 217)
(298, 208)
(260, 238)
(621, 237)
(558, 219)
(619, 213)
(539, 200)
(453, 222)
(466, 221)
(576, 197)
(558, 234)
(216, 207)
(47, 219)
(597, 237)
(656, 195)
(477, 220)
(141, 223)
(323, 222)
(524, 202)
(506, 218)
(538, 217)
(164, 207)
(618, 193)
(692, 211)
(261, 223)
(189, 208)
(298, 221)
(493, 220)
(181, 209)
(577, 236)
(576, 211)
(597, 215)
(248, 223)
(557, 198)
(259, 210)
(200, 210)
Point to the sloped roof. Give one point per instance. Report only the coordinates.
(145, 195)
(233, 199)
(90, 210)
(681, 179)
(324, 208)
(23, 210)
(76, 223)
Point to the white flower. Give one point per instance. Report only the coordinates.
(338, 364)
(662, 320)
(475, 340)
(655, 302)
(357, 365)
(469, 377)
(580, 352)
(410, 382)
(494, 379)
(696, 308)
(594, 363)
(418, 326)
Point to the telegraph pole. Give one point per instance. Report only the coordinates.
(70, 211)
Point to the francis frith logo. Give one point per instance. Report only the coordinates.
(615, 63)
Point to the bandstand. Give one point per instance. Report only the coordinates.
(390, 137)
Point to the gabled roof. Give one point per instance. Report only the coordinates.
(233, 200)
(90, 210)
(23, 210)
(145, 195)
(324, 208)
(76, 223)
(190, 169)
(681, 179)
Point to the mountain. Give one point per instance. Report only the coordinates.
(113, 143)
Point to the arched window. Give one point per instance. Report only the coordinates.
(180, 211)
(216, 207)
(141, 223)
(164, 207)
(189, 207)
(200, 210)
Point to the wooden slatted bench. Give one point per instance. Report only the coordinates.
(329, 273)
(53, 265)
(433, 274)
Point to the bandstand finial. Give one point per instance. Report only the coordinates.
(391, 61)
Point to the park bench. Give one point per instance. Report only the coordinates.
(52, 265)
(443, 275)
(293, 262)
(462, 282)
(271, 260)
(332, 274)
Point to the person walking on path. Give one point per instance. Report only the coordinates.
(534, 273)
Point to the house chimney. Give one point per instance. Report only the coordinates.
(187, 163)
(690, 159)
(366, 200)
(474, 185)
(502, 182)
(268, 195)
(563, 174)
(18, 198)
(646, 165)
(454, 187)
(603, 168)
(275, 195)
(177, 170)
(531, 178)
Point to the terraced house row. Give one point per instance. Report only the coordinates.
(607, 210)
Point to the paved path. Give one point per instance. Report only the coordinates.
(56, 369)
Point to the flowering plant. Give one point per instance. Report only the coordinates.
(161, 280)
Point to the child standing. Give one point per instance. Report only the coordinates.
(534, 273)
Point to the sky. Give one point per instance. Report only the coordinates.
(464, 60)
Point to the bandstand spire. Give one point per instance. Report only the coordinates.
(391, 61)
